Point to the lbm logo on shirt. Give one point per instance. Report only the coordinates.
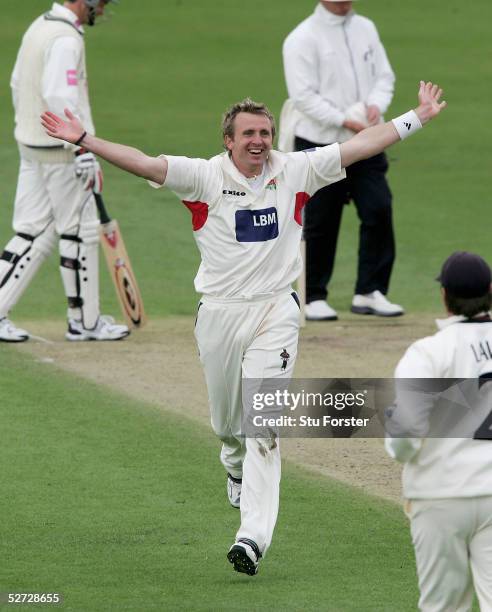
(256, 225)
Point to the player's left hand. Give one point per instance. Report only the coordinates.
(373, 114)
(429, 104)
(354, 126)
(88, 170)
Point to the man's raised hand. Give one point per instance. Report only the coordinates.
(429, 104)
(70, 130)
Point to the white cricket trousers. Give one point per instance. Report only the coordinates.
(49, 192)
(453, 550)
(50, 197)
(245, 339)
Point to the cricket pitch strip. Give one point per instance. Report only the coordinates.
(159, 364)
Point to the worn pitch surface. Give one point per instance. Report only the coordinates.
(159, 364)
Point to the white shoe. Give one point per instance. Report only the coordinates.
(105, 330)
(10, 333)
(234, 491)
(245, 556)
(375, 303)
(320, 311)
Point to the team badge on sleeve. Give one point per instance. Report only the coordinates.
(256, 225)
(72, 77)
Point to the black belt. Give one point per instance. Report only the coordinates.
(48, 148)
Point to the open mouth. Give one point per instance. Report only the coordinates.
(255, 151)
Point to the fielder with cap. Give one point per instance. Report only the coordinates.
(246, 213)
(447, 482)
(56, 184)
(340, 81)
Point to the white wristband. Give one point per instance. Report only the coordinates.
(407, 124)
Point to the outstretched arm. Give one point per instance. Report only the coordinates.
(376, 139)
(127, 158)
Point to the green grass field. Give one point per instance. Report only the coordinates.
(118, 507)
(160, 77)
(122, 507)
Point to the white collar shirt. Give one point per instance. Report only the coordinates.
(249, 238)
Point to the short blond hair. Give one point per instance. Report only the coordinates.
(245, 106)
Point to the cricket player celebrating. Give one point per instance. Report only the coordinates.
(246, 214)
(447, 482)
(56, 182)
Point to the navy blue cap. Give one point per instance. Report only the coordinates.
(465, 275)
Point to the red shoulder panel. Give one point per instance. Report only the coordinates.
(301, 200)
(199, 213)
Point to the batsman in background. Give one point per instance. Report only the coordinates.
(246, 213)
(56, 182)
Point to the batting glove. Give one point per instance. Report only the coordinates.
(88, 170)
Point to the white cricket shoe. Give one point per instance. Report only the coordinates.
(234, 491)
(105, 330)
(245, 556)
(375, 303)
(320, 311)
(10, 333)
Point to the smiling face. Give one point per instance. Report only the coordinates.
(251, 142)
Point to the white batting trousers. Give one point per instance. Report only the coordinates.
(50, 198)
(50, 192)
(453, 550)
(240, 340)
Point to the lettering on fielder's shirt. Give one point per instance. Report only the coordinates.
(481, 351)
(256, 225)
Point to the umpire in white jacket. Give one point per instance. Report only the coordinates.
(340, 80)
(447, 481)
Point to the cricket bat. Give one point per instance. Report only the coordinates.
(120, 268)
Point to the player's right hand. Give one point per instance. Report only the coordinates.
(56, 127)
(88, 170)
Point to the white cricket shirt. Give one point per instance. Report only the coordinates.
(438, 468)
(249, 238)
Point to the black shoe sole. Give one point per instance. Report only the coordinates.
(323, 319)
(242, 563)
(365, 310)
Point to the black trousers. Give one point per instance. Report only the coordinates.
(367, 187)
